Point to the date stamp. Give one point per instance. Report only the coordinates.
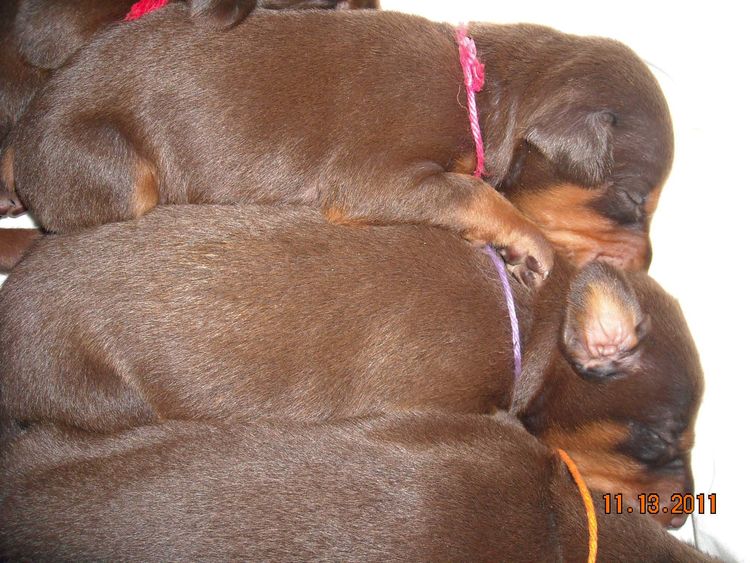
(652, 503)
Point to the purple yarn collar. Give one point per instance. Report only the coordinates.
(514, 329)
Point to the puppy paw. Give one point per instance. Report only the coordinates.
(529, 255)
(489, 218)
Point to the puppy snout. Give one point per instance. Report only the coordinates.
(677, 503)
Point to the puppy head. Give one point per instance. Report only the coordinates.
(595, 131)
(622, 390)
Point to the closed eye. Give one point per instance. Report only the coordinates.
(676, 464)
(648, 446)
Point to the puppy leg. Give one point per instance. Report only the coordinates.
(105, 178)
(13, 245)
(461, 203)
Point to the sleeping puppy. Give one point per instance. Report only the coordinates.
(166, 112)
(406, 487)
(39, 36)
(230, 313)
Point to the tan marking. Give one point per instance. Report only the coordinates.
(6, 170)
(146, 190)
(490, 218)
(464, 164)
(578, 231)
(337, 216)
(594, 449)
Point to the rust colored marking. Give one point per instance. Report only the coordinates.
(337, 216)
(146, 190)
(489, 218)
(564, 214)
(464, 164)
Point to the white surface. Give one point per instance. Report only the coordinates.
(699, 53)
(22, 222)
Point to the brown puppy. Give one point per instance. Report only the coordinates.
(202, 312)
(39, 36)
(394, 488)
(365, 119)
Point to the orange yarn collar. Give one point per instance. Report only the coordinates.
(588, 503)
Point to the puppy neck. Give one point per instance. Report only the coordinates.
(505, 51)
(541, 319)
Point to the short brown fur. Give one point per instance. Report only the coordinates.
(14, 243)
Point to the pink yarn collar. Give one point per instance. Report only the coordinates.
(474, 81)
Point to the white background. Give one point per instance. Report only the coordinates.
(699, 53)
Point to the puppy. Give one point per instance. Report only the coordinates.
(399, 487)
(39, 36)
(230, 313)
(151, 114)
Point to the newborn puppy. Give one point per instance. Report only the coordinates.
(396, 488)
(163, 112)
(230, 313)
(39, 36)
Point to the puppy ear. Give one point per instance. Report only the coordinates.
(577, 141)
(604, 323)
(221, 14)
